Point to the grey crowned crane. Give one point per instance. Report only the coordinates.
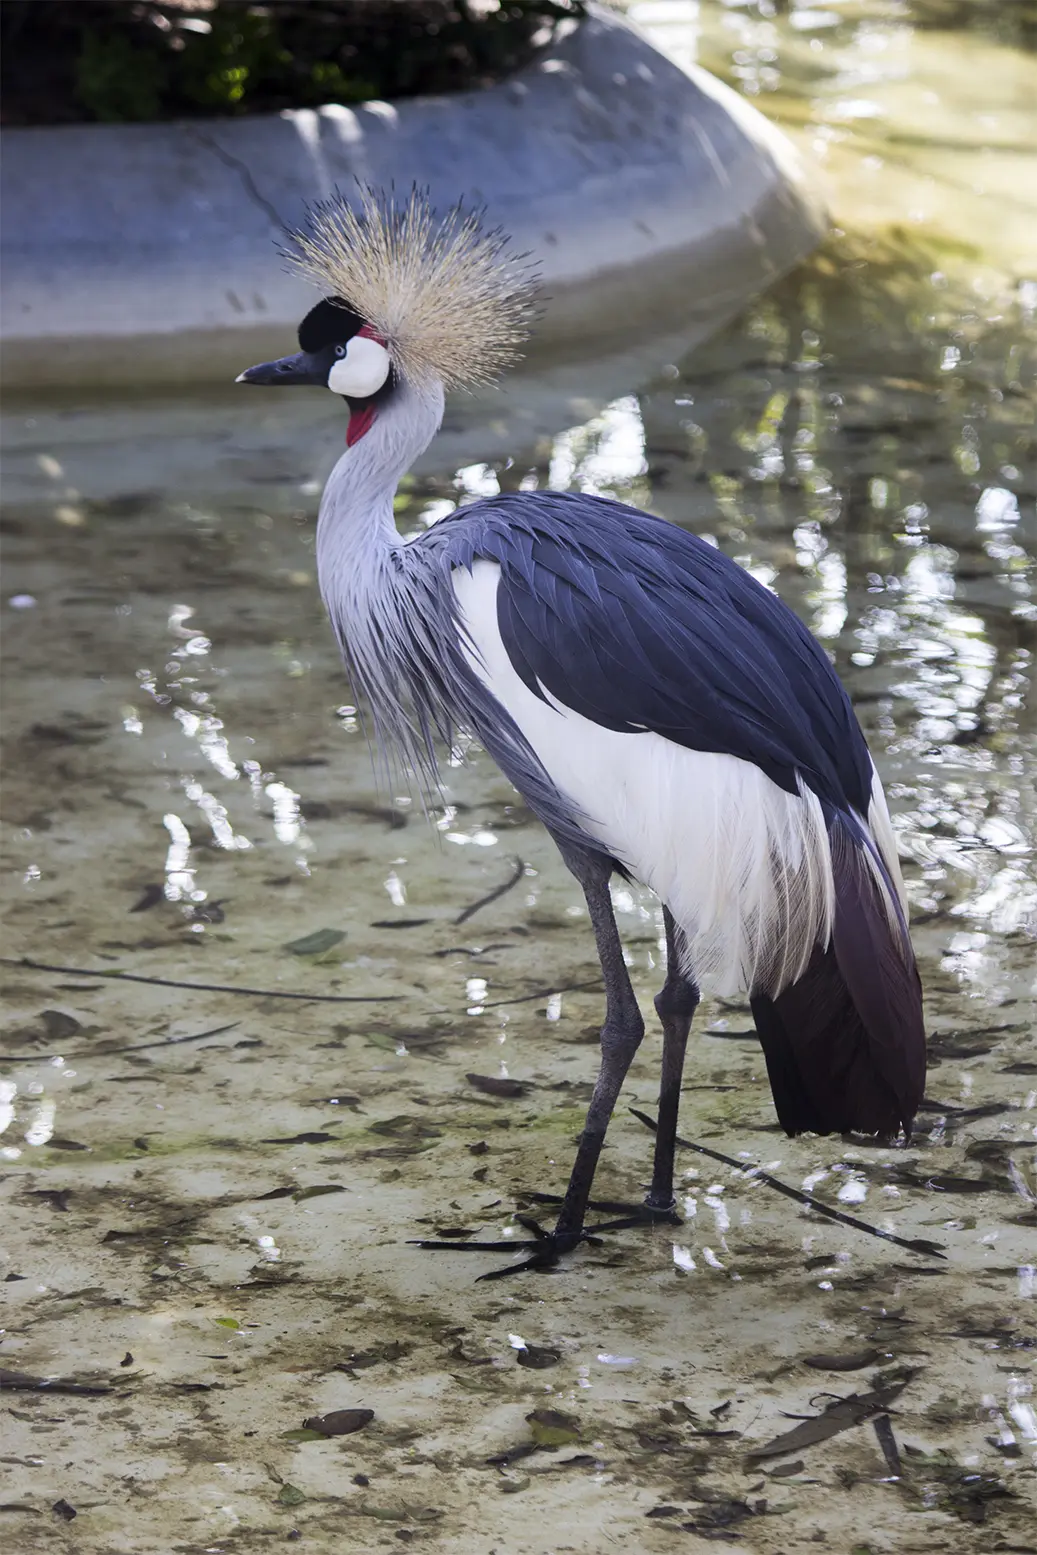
(665, 716)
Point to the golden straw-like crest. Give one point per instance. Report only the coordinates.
(451, 299)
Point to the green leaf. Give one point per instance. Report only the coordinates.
(382, 1039)
(317, 943)
(227, 1322)
(303, 1436)
(550, 1428)
(290, 1495)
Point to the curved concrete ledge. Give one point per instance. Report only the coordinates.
(142, 256)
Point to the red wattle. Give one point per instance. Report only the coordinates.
(359, 423)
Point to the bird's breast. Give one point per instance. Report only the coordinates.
(744, 866)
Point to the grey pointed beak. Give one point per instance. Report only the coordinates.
(287, 370)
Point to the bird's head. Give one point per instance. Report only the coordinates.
(340, 351)
(411, 299)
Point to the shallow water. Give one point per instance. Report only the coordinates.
(188, 795)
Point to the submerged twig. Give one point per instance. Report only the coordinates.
(172, 982)
(917, 1245)
(132, 1047)
(494, 895)
(543, 993)
(22, 1382)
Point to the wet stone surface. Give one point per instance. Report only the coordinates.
(216, 1334)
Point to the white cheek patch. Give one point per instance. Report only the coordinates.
(362, 371)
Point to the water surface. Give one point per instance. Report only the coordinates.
(208, 1193)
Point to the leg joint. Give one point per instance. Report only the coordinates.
(677, 997)
(622, 1037)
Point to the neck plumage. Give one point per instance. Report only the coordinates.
(355, 526)
(358, 557)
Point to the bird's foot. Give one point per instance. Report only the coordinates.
(547, 1247)
(644, 1214)
(544, 1251)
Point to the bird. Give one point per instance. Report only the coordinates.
(665, 716)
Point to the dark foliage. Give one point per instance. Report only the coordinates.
(134, 60)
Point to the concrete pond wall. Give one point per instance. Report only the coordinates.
(143, 256)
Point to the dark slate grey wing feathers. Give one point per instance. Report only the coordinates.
(637, 624)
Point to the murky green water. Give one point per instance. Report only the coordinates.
(207, 1194)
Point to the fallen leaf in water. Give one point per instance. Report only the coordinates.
(550, 1428)
(400, 923)
(883, 1428)
(783, 1470)
(853, 1362)
(316, 944)
(54, 1143)
(303, 1435)
(64, 1510)
(57, 1198)
(313, 1137)
(842, 1415)
(401, 1514)
(23, 1382)
(402, 1127)
(383, 1040)
(318, 1190)
(944, 1182)
(340, 1422)
(956, 1045)
(538, 1357)
(458, 1353)
(492, 1085)
(964, 1492)
(59, 1026)
(360, 1360)
(290, 1495)
(719, 1515)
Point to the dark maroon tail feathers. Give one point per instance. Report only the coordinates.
(845, 1044)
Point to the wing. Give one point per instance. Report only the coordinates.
(639, 625)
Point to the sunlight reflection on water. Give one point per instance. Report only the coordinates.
(863, 440)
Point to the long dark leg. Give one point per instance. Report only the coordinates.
(620, 1039)
(676, 1003)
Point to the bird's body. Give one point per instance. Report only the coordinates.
(665, 716)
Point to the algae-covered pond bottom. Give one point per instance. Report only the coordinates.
(209, 1193)
(211, 1176)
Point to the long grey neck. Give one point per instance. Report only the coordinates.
(355, 527)
(358, 562)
